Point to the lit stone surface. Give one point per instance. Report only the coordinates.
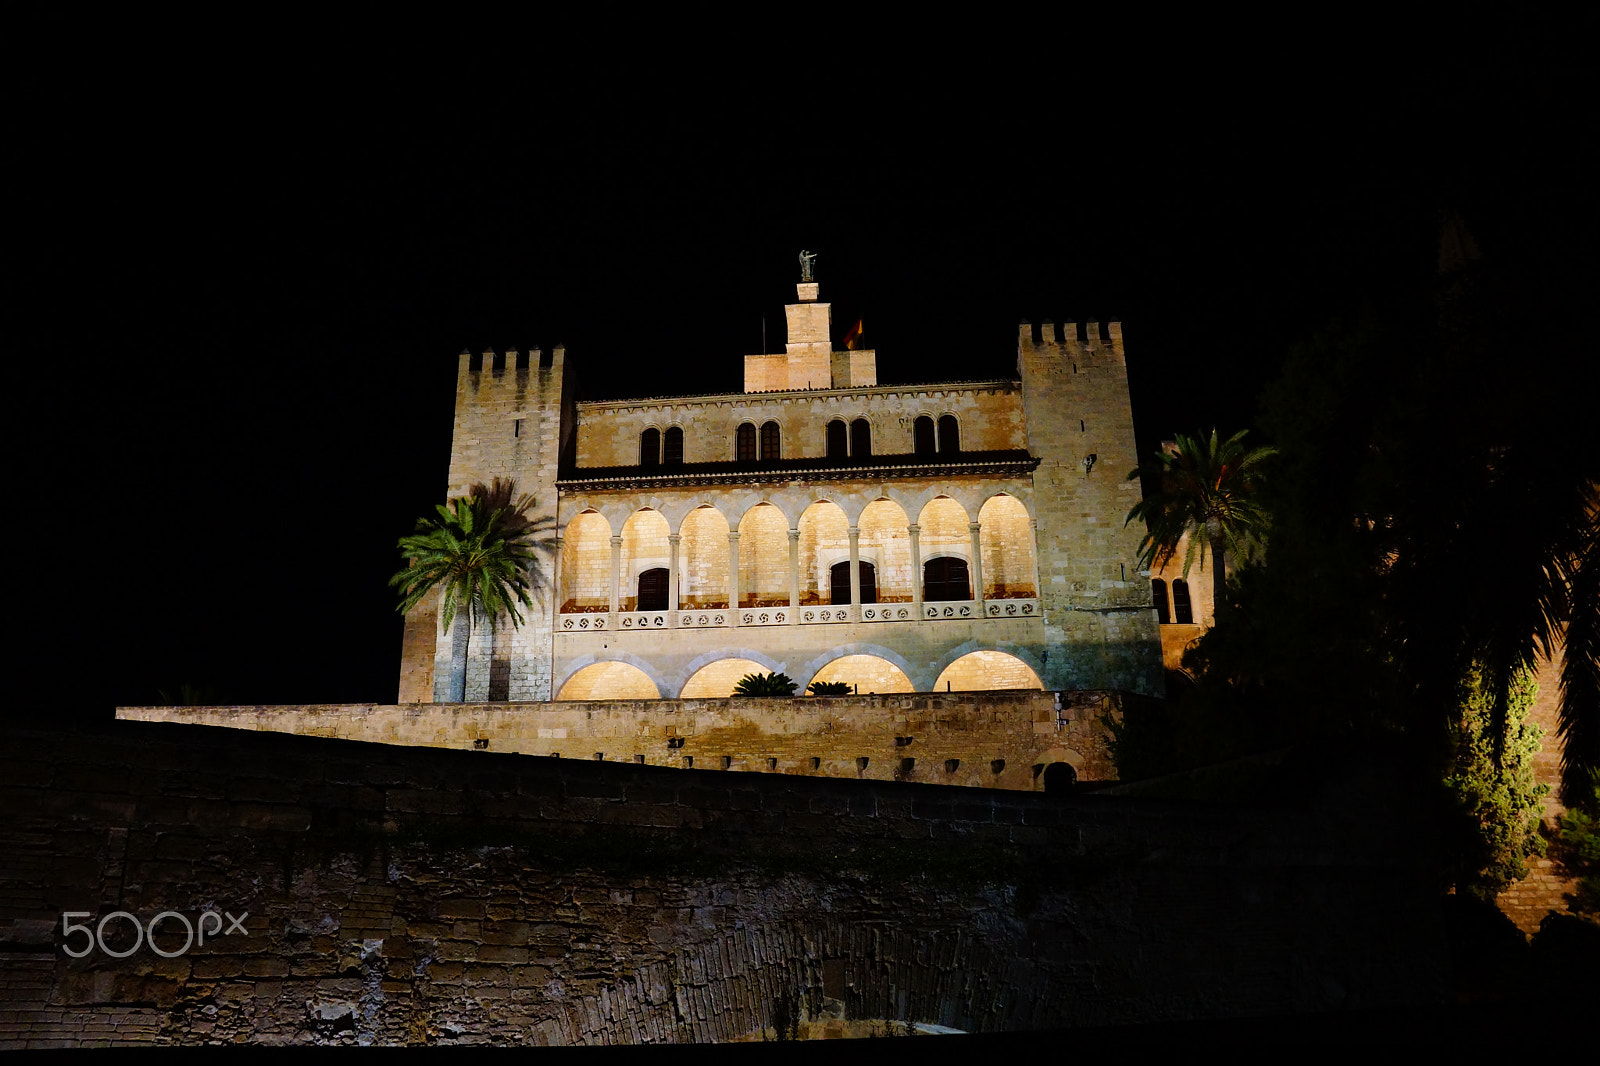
(749, 551)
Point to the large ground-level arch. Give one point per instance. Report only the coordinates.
(984, 670)
(609, 681)
(865, 674)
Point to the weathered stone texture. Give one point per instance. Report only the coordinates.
(475, 898)
(1003, 739)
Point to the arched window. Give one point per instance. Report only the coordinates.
(769, 441)
(672, 453)
(838, 440)
(860, 438)
(653, 589)
(949, 435)
(746, 439)
(1158, 592)
(922, 433)
(650, 448)
(839, 578)
(945, 578)
(1182, 613)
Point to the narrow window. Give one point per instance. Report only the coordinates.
(838, 440)
(949, 435)
(1181, 611)
(653, 589)
(922, 434)
(516, 428)
(945, 579)
(1158, 592)
(860, 438)
(746, 443)
(769, 441)
(673, 447)
(650, 448)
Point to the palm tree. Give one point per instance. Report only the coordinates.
(1207, 492)
(483, 553)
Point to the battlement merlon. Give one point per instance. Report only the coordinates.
(1101, 343)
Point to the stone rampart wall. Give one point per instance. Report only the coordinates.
(405, 895)
(999, 739)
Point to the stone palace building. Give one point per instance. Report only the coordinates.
(949, 536)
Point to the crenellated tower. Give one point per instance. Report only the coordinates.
(1096, 604)
(514, 419)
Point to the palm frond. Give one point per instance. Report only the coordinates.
(482, 553)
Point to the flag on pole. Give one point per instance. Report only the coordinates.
(853, 339)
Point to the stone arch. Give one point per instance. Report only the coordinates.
(703, 560)
(625, 677)
(885, 543)
(1057, 771)
(586, 563)
(824, 540)
(943, 521)
(1005, 539)
(810, 671)
(974, 667)
(713, 675)
(866, 674)
(644, 547)
(764, 557)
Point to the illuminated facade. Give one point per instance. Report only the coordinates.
(898, 538)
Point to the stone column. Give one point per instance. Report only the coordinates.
(977, 566)
(916, 569)
(855, 574)
(672, 579)
(794, 576)
(616, 576)
(733, 577)
(557, 575)
(1033, 528)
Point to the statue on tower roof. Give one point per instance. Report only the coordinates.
(808, 263)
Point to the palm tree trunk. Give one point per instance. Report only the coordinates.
(1219, 572)
(460, 638)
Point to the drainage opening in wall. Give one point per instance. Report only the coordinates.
(997, 765)
(688, 762)
(952, 765)
(481, 744)
(861, 765)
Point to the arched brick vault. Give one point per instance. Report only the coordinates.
(810, 669)
(613, 656)
(676, 681)
(1034, 662)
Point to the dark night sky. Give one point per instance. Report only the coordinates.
(273, 285)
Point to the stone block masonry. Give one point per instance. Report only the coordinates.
(1005, 739)
(393, 895)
